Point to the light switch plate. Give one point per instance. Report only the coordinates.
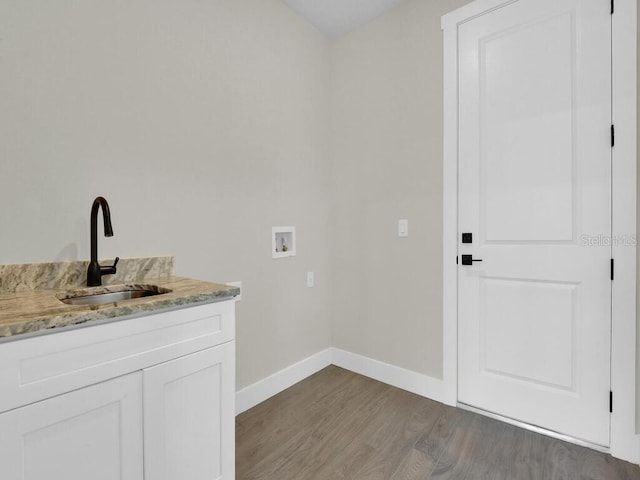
(403, 227)
(310, 279)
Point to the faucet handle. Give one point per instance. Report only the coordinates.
(111, 269)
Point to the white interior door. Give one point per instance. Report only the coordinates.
(534, 316)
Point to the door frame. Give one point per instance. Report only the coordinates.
(625, 442)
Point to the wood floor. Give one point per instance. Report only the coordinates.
(340, 425)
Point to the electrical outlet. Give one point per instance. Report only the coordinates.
(310, 279)
(238, 284)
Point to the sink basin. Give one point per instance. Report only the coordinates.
(110, 294)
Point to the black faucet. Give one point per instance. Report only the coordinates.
(95, 271)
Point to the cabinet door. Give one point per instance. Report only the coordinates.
(189, 415)
(92, 433)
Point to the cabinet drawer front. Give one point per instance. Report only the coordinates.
(40, 367)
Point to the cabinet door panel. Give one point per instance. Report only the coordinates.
(189, 417)
(94, 432)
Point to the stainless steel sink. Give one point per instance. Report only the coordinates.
(110, 294)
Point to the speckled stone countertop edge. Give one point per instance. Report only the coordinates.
(58, 322)
(32, 312)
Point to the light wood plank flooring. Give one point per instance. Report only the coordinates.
(340, 425)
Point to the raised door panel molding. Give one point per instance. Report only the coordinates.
(95, 433)
(40, 367)
(189, 416)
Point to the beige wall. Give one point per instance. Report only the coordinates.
(216, 121)
(387, 154)
(203, 123)
(387, 165)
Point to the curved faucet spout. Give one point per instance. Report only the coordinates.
(95, 271)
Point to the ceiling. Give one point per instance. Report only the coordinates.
(336, 18)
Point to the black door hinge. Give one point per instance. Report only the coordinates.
(613, 135)
(610, 401)
(612, 6)
(456, 260)
(612, 269)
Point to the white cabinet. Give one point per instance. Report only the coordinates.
(94, 432)
(146, 398)
(189, 417)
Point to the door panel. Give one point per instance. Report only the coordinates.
(527, 175)
(534, 185)
(187, 406)
(92, 433)
(542, 358)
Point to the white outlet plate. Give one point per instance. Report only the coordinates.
(310, 279)
(237, 283)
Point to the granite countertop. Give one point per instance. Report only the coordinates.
(29, 294)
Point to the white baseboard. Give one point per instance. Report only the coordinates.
(404, 379)
(417, 383)
(266, 388)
